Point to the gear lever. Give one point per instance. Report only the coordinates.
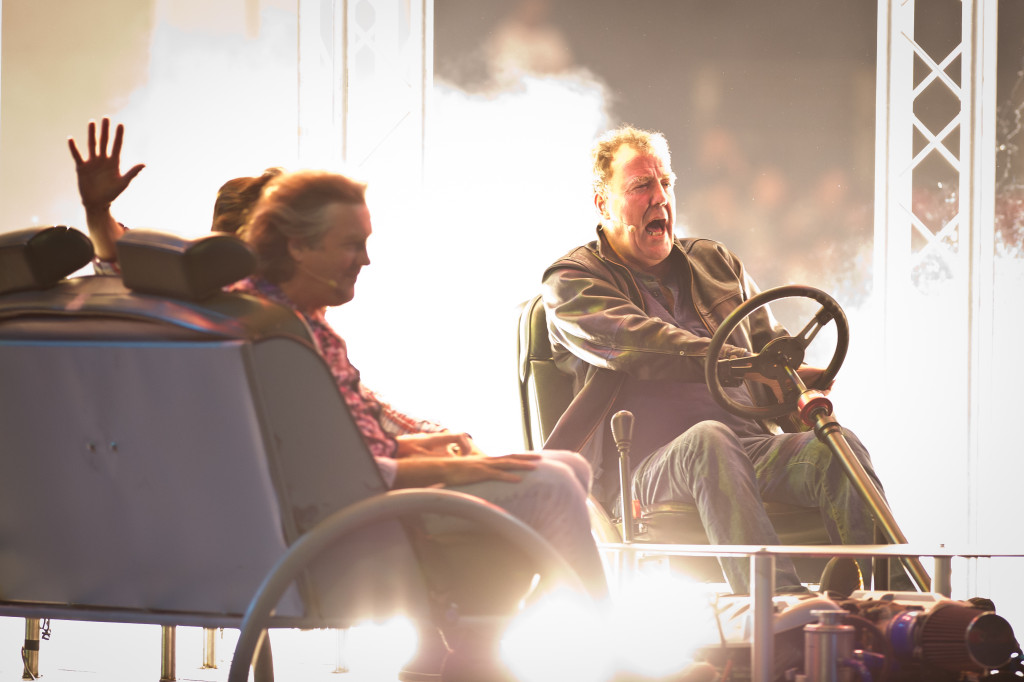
(622, 432)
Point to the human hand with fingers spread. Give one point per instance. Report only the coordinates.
(100, 181)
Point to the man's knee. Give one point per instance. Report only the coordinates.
(825, 454)
(710, 431)
(576, 463)
(858, 447)
(556, 482)
(552, 500)
(832, 471)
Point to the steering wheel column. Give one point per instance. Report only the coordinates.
(779, 361)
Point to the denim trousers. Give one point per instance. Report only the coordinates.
(727, 478)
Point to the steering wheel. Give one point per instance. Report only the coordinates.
(779, 354)
(388, 506)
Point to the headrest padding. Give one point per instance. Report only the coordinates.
(39, 257)
(163, 264)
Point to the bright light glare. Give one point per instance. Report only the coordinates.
(658, 619)
(379, 650)
(560, 637)
(531, 144)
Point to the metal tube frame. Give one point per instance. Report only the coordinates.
(30, 650)
(168, 651)
(209, 648)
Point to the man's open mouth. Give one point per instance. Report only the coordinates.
(655, 228)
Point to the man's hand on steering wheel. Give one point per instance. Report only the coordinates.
(808, 374)
(775, 363)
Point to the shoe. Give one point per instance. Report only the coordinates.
(474, 652)
(841, 577)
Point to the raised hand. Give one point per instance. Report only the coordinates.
(99, 174)
(100, 181)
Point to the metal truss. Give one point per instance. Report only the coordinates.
(935, 207)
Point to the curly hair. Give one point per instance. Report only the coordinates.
(644, 141)
(293, 206)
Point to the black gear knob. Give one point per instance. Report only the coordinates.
(622, 428)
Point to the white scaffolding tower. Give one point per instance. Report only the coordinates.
(934, 242)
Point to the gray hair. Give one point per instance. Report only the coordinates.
(644, 141)
(294, 206)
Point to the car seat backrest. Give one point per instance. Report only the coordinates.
(545, 391)
(160, 455)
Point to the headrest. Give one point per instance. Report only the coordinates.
(190, 269)
(39, 257)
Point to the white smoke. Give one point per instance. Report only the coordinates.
(506, 192)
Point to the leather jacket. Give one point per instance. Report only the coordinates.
(600, 331)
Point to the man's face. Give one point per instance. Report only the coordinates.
(327, 272)
(638, 207)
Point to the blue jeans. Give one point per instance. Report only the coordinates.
(728, 478)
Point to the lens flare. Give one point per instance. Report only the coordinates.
(658, 620)
(379, 650)
(560, 637)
